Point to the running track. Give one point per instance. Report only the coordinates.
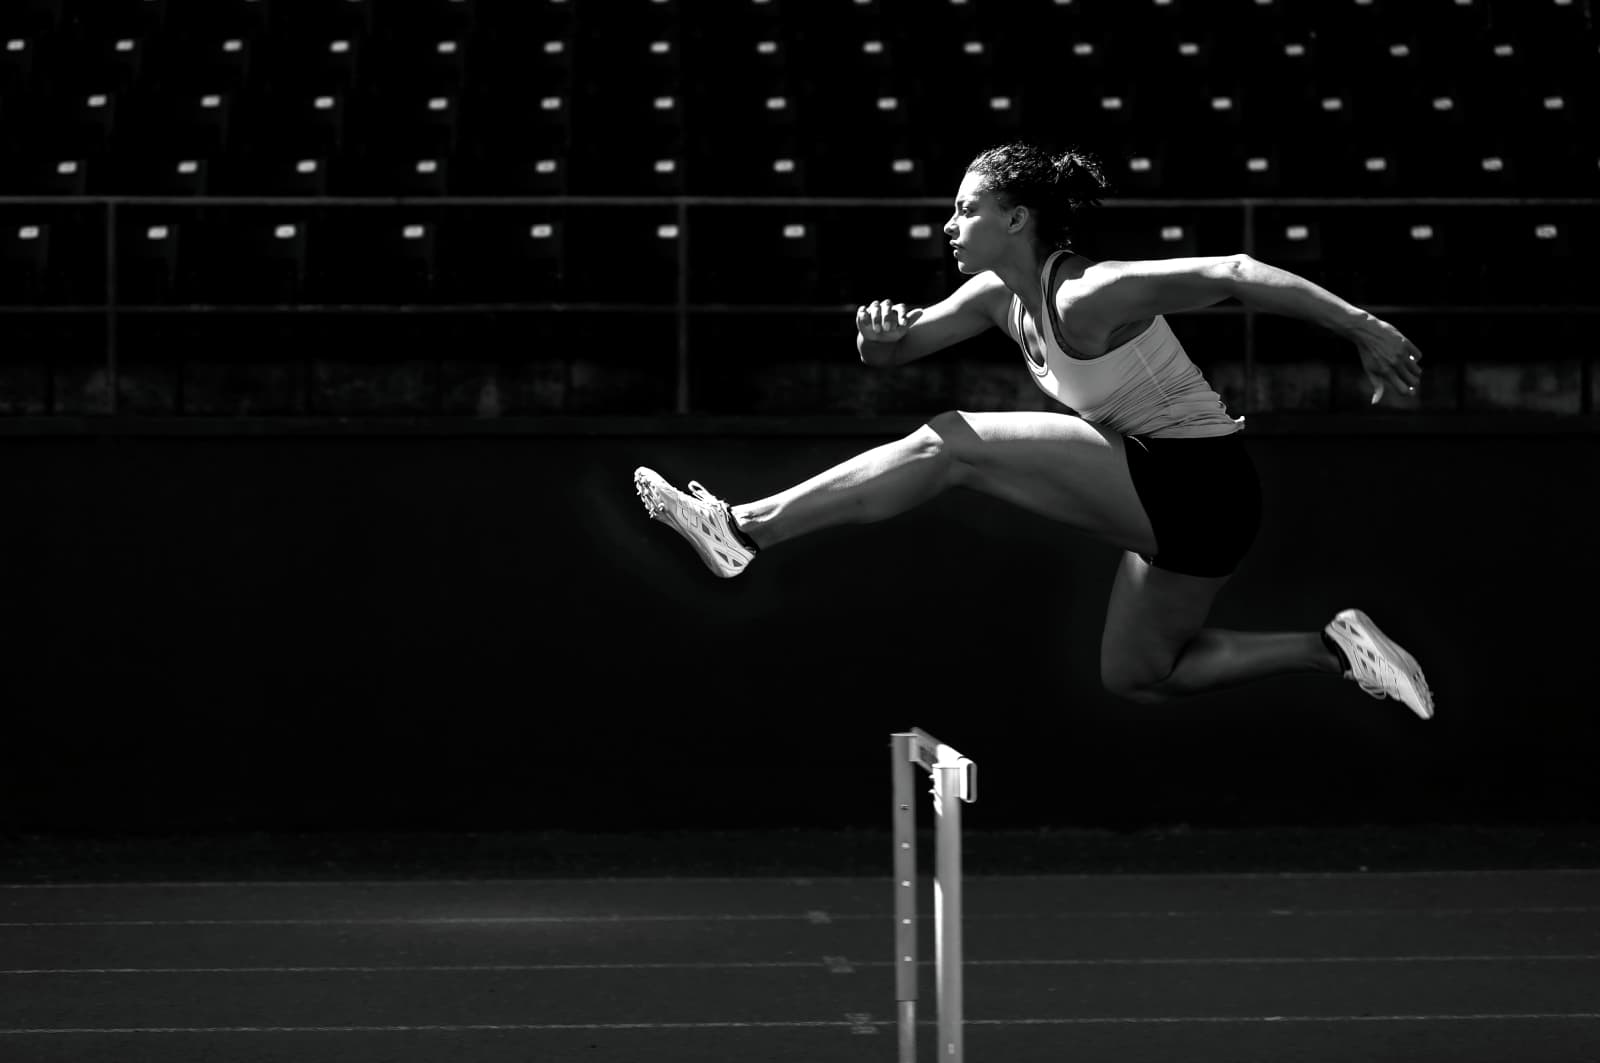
(1466, 966)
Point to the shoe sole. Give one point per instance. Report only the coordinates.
(1392, 650)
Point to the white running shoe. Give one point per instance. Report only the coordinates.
(1377, 664)
(700, 517)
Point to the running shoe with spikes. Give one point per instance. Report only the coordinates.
(1377, 664)
(699, 517)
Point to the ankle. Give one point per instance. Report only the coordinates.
(740, 527)
(1341, 663)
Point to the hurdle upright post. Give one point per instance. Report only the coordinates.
(905, 899)
(954, 781)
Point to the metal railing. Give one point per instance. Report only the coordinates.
(682, 308)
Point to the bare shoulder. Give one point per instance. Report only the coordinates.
(1096, 297)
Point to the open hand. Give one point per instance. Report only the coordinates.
(884, 322)
(1389, 358)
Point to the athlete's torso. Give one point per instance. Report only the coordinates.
(1140, 383)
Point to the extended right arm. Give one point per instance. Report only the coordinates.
(888, 334)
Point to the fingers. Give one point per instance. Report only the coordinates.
(881, 319)
(1412, 364)
(1386, 377)
(1397, 358)
(869, 319)
(1396, 364)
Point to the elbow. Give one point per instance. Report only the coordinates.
(1238, 273)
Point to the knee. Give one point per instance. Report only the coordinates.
(930, 444)
(1132, 681)
(947, 437)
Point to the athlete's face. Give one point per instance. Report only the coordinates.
(979, 227)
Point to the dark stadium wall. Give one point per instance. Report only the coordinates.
(235, 632)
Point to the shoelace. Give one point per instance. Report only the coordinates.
(1368, 668)
(1384, 673)
(702, 494)
(721, 520)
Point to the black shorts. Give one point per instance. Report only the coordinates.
(1203, 499)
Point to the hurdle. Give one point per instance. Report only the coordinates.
(955, 779)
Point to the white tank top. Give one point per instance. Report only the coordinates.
(1145, 387)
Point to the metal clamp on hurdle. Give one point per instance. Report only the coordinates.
(955, 779)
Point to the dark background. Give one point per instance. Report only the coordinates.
(318, 515)
(484, 632)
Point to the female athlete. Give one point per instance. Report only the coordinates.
(1146, 459)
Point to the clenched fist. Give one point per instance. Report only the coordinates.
(884, 322)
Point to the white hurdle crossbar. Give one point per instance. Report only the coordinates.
(955, 779)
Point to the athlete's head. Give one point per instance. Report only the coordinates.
(1020, 191)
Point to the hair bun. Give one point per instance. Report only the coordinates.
(1055, 185)
(1080, 176)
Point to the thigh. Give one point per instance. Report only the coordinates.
(1152, 615)
(1056, 465)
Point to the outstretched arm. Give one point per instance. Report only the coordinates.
(1117, 292)
(1388, 357)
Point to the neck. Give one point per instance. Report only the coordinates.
(1021, 275)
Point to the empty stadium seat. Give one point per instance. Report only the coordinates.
(52, 255)
(1133, 233)
(169, 176)
(148, 259)
(16, 67)
(312, 124)
(222, 18)
(46, 176)
(506, 255)
(436, 66)
(896, 253)
(1400, 255)
(27, 17)
(1315, 242)
(432, 20)
(626, 255)
(255, 257)
(376, 257)
(114, 65)
(26, 261)
(766, 255)
(1530, 258)
(199, 125)
(335, 64)
(348, 19)
(192, 66)
(82, 127)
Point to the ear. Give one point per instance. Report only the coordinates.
(1017, 219)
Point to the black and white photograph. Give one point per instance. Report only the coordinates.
(866, 531)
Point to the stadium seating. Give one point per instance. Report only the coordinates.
(840, 88)
(1192, 105)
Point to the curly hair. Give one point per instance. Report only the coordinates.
(1057, 188)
